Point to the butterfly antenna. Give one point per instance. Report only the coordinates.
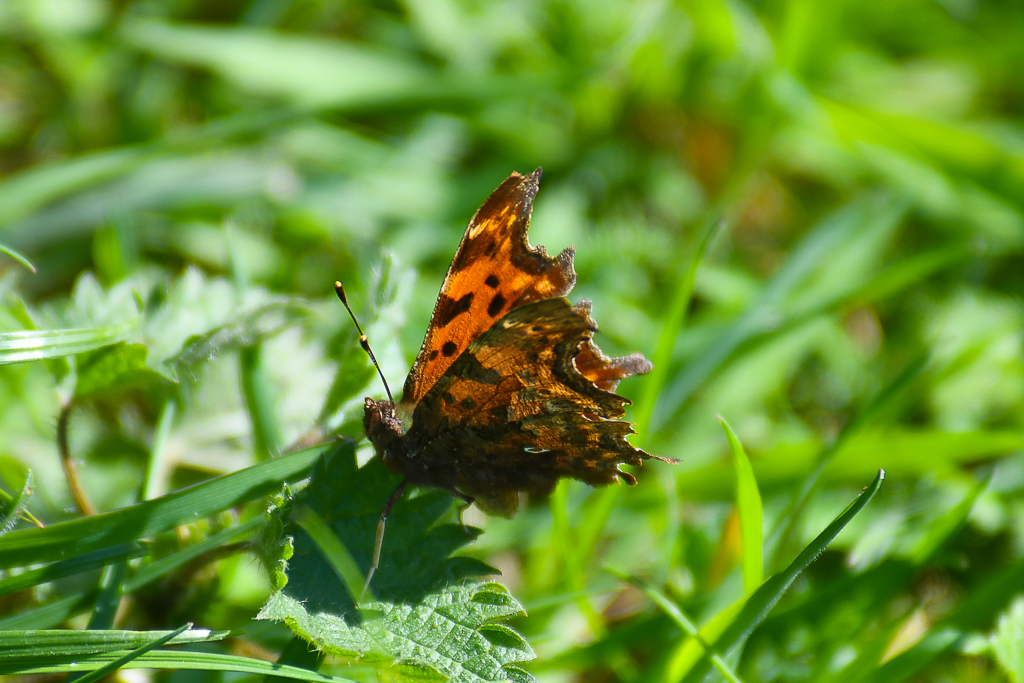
(340, 291)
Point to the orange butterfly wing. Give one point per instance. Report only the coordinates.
(515, 412)
(494, 271)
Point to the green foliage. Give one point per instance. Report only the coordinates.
(420, 611)
(810, 216)
(749, 512)
(1007, 642)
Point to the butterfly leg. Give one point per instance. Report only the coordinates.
(379, 542)
(466, 502)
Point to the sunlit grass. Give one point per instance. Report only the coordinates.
(810, 217)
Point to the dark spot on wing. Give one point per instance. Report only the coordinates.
(448, 309)
(491, 281)
(497, 303)
(468, 367)
(468, 403)
(448, 349)
(433, 355)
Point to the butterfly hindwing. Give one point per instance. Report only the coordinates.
(514, 413)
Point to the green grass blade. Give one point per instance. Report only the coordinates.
(58, 541)
(52, 614)
(75, 565)
(183, 660)
(684, 622)
(311, 71)
(134, 654)
(602, 502)
(761, 314)
(756, 607)
(30, 189)
(57, 642)
(945, 526)
(924, 652)
(158, 451)
(334, 551)
(17, 257)
(878, 406)
(748, 507)
(26, 345)
(675, 321)
(259, 400)
(297, 653)
(105, 609)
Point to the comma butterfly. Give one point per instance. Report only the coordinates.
(509, 392)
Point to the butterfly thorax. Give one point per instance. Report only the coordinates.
(387, 427)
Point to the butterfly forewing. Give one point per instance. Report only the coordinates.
(495, 270)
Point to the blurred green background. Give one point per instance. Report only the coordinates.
(212, 168)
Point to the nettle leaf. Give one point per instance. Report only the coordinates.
(246, 328)
(12, 507)
(114, 369)
(425, 619)
(1007, 642)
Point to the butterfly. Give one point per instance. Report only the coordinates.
(508, 393)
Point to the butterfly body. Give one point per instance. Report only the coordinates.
(508, 393)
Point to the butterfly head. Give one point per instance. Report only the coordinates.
(383, 427)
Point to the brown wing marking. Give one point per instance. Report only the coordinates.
(494, 271)
(603, 371)
(514, 413)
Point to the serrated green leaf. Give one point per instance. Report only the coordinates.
(244, 329)
(410, 672)
(1007, 641)
(423, 610)
(113, 369)
(15, 505)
